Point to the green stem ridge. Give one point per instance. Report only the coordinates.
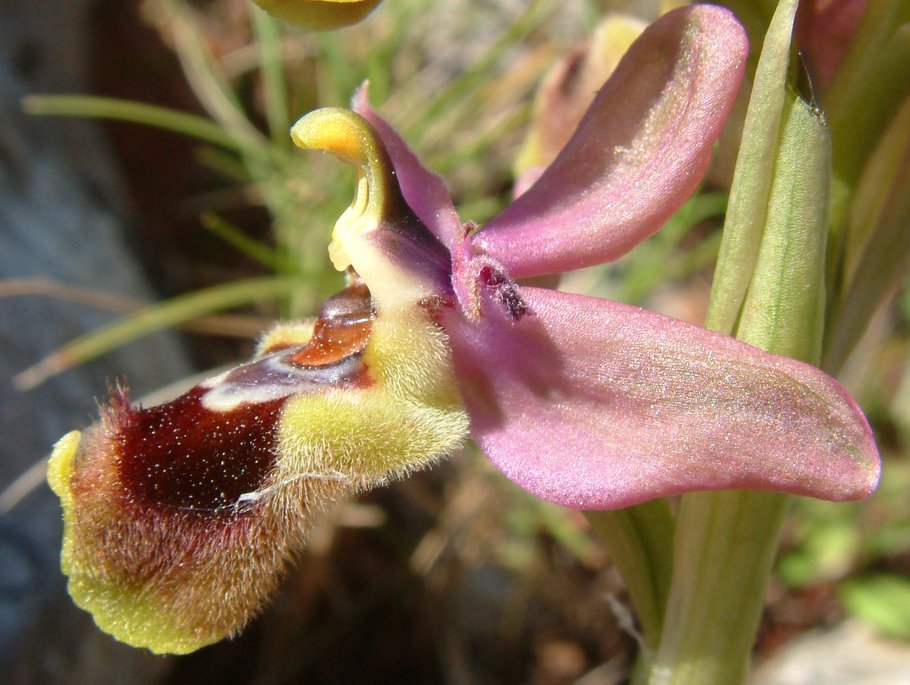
(769, 291)
(725, 547)
(639, 539)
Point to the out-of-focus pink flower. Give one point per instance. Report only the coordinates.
(319, 14)
(824, 29)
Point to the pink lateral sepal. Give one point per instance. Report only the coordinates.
(598, 405)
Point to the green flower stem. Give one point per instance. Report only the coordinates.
(639, 540)
(726, 541)
(725, 547)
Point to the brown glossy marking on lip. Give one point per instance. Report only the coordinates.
(184, 456)
(342, 330)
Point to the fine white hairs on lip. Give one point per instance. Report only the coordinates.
(249, 498)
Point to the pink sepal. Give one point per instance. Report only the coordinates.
(598, 405)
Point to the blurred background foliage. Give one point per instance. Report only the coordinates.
(456, 572)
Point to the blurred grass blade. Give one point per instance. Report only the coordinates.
(233, 325)
(382, 53)
(237, 239)
(206, 80)
(453, 159)
(752, 177)
(884, 261)
(657, 260)
(23, 485)
(341, 78)
(68, 292)
(458, 89)
(228, 165)
(274, 81)
(872, 80)
(150, 320)
(136, 112)
(857, 120)
(879, 180)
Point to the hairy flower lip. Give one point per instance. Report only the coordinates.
(180, 519)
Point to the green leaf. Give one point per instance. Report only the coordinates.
(784, 308)
(152, 319)
(882, 601)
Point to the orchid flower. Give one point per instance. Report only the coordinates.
(181, 518)
(319, 14)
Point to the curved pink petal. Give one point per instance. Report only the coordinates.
(640, 151)
(598, 405)
(423, 190)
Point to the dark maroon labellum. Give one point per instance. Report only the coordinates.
(212, 449)
(182, 455)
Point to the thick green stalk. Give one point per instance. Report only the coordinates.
(725, 549)
(726, 541)
(640, 542)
